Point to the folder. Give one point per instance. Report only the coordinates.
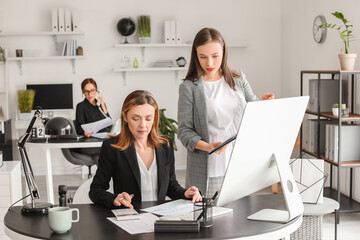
(172, 32)
(54, 20)
(178, 33)
(75, 20)
(167, 32)
(61, 17)
(68, 20)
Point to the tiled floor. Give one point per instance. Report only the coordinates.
(348, 229)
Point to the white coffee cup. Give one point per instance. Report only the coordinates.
(60, 218)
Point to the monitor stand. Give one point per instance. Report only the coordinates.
(292, 197)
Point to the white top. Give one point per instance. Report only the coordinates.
(149, 180)
(225, 109)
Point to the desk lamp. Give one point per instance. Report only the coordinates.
(33, 207)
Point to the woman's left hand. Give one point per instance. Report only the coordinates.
(267, 96)
(193, 192)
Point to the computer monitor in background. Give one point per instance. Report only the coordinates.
(53, 96)
(261, 155)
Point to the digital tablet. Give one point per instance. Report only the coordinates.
(223, 144)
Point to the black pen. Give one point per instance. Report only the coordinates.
(215, 195)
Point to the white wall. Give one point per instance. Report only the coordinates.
(300, 52)
(238, 21)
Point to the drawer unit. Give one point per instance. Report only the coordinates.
(10, 189)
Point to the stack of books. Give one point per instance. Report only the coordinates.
(164, 63)
(69, 48)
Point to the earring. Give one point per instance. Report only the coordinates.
(126, 123)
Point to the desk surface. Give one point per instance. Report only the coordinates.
(83, 142)
(94, 225)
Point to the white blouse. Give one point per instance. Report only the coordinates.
(149, 180)
(225, 109)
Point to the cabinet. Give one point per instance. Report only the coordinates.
(10, 189)
(158, 69)
(347, 204)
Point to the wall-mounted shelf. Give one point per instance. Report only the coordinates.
(149, 69)
(33, 34)
(20, 60)
(166, 45)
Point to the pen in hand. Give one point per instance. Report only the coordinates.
(131, 195)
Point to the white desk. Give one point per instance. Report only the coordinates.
(41, 143)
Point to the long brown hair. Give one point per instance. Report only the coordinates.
(195, 70)
(136, 98)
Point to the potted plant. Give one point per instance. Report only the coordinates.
(335, 109)
(26, 101)
(2, 55)
(347, 59)
(144, 29)
(167, 127)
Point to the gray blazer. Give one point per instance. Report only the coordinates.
(193, 126)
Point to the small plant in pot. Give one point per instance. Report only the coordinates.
(26, 102)
(144, 29)
(347, 59)
(335, 109)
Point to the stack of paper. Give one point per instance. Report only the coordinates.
(164, 63)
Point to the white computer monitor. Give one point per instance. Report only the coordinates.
(261, 154)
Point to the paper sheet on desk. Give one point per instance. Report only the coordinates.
(100, 135)
(94, 127)
(144, 225)
(173, 208)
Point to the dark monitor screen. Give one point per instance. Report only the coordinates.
(52, 96)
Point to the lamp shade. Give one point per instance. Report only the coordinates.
(59, 127)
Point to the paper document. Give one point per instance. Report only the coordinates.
(94, 127)
(101, 135)
(144, 225)
(173, 208)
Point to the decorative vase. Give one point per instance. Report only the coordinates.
(144, 39)
(347, 61)
(335, 111)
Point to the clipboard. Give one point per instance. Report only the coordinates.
(229, 140)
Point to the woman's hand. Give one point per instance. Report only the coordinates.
(123, 199)
(102, 103)
(267, 96)
(193, 192)
(88, 134)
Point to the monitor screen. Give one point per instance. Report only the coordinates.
(262, 149)
(52, 96)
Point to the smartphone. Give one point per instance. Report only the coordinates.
(98, 94)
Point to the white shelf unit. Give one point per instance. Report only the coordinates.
(165, 45)
(149, 69)
(159, 45)
(20, 60)
(55, 36)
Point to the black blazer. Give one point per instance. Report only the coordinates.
(122, 166)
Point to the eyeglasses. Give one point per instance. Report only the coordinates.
(92, 91)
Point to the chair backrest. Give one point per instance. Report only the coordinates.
(82, 193)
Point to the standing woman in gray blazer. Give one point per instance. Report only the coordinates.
(211, 101)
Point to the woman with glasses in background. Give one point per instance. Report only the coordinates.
(90, 110)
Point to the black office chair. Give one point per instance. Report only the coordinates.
(80, 158)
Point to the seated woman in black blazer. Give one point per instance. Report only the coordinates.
(139, 160)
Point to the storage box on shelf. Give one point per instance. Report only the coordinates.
(347, 204)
